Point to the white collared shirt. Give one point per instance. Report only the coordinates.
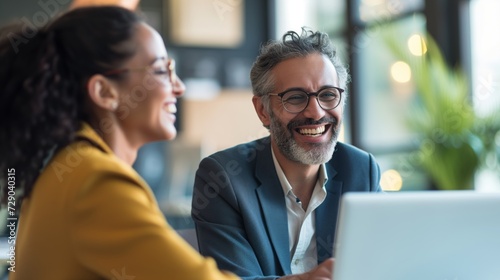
(302, 224)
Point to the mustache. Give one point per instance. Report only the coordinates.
(301, 122)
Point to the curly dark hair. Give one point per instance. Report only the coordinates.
(43, 84)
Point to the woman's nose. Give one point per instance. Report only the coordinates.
(178, 87)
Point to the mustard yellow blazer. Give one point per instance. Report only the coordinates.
(91, 216)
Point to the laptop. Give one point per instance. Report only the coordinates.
(428, 235)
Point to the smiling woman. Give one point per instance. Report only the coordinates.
(78, 99)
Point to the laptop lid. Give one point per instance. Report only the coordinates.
(431, 235)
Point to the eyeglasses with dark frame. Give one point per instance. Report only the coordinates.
(296, 100)
(167, 71)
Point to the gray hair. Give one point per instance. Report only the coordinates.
(292, 45)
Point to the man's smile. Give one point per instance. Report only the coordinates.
(315, 131)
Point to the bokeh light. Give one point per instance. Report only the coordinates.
(417, 45)
(391, 180)
(401, 72)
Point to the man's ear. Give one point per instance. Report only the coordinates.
(261, 111)
(103, 93)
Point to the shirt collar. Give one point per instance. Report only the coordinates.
(287, 188)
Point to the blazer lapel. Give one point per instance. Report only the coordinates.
(272, 202)
(326, 216)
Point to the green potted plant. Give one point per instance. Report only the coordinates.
(455, 140)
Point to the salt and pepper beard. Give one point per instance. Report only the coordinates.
(316, 153)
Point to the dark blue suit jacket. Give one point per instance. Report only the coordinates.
(240, 213)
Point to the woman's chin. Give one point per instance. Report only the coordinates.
(170, 134)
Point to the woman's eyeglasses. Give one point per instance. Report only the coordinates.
(163, 68)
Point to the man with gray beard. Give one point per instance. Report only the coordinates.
(268, 209)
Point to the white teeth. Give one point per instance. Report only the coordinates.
(171, 108)
(312, 131)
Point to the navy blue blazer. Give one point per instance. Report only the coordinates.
(240, 213)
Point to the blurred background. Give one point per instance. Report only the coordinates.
(424, 97)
